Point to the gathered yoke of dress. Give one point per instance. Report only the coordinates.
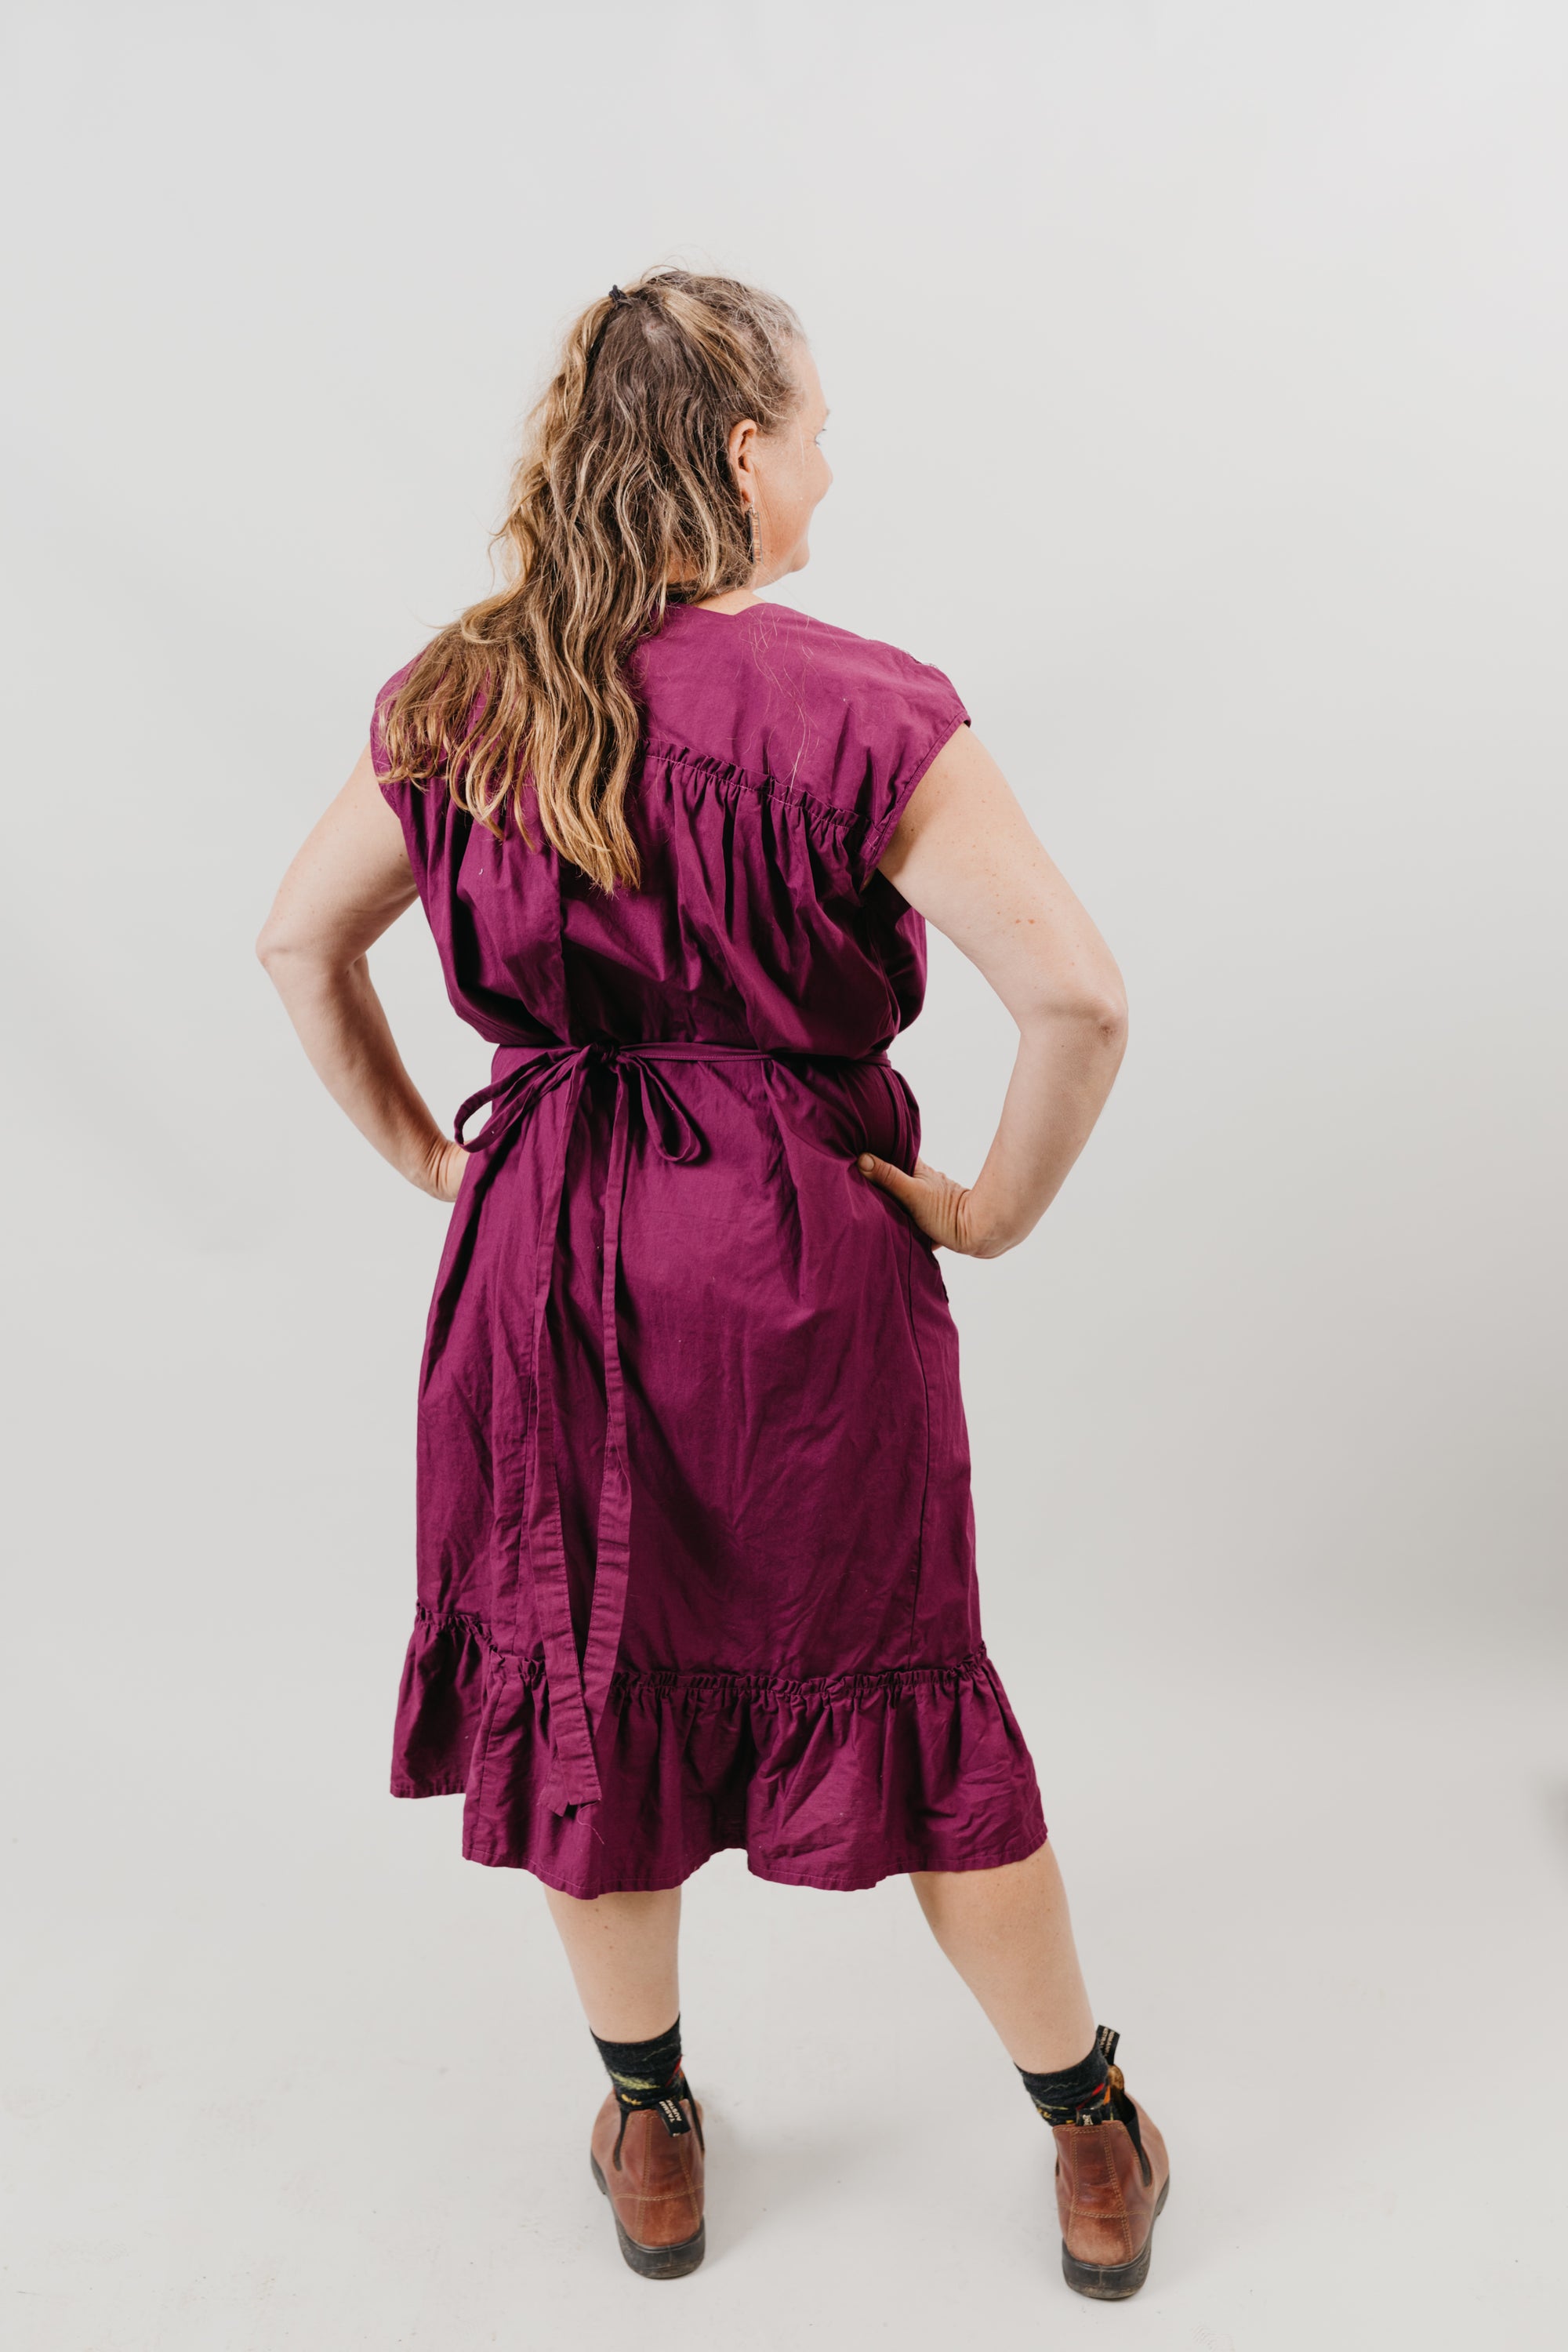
(695, 1534)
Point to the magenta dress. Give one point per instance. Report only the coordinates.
(696, 1548)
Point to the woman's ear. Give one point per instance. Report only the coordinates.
(743, 444)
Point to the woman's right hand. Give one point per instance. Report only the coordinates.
(443, 1171)
(944, 1210)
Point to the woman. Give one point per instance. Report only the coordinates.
(696, 1544)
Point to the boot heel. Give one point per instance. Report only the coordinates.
(654, 2262)
(1113, 2282)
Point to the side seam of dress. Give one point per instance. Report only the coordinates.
(925, 1398)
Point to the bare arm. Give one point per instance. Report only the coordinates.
(349, 882)
(965, 857)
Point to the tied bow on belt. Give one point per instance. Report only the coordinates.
(578, 1692)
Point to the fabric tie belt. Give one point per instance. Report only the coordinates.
(578, 1691)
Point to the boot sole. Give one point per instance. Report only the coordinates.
(653, 2262)
(1113, 2282)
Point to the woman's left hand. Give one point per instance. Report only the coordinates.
(942, 1210)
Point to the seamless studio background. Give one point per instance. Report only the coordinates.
(1197, 376)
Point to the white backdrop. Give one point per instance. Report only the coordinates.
(1198, 374)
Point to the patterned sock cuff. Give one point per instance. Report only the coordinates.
(641, 2070)
(1077, 2094)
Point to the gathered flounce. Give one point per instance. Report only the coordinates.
(836, 1783)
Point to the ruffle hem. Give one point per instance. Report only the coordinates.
(835, 1783)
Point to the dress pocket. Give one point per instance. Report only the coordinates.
(906, 1116)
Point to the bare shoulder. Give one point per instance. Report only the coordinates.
(963, 807)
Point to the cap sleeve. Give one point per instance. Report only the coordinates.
(378, 752)
(427, 818)
(920, 711)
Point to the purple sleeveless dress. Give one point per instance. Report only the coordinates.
(696, 1549)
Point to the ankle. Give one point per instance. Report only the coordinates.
(642, 2072)
(1082, 2094)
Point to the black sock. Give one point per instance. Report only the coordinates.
(645, 2074)
(1077, 2094)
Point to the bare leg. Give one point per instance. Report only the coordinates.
(1008, 1934)
(621, 1949)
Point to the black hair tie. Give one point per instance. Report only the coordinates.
(619, 300)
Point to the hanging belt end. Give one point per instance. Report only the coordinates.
(569, 1786)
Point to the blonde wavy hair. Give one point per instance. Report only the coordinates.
(624, 501)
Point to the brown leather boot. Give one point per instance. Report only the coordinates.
(1111, 2183)
(648, 2162)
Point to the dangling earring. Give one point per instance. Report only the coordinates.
(751, 534)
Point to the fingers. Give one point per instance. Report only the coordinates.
(893, 1179)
